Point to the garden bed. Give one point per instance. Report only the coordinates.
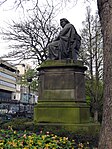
(12, 139)
(23, 134)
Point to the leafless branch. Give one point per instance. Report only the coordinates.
(30, 38)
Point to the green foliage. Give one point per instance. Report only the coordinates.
(30, 78)
(16, 123)
(94, 96)
(96, 86)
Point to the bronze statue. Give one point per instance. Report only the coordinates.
(67, 44)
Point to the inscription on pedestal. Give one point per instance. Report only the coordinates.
(59, 81)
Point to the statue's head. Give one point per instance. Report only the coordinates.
(63, 22)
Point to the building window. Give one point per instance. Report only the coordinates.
(5, 95)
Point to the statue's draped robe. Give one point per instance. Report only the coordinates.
(65, 44)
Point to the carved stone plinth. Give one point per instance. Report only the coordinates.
(62, 94)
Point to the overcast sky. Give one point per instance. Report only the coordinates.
(75, 14)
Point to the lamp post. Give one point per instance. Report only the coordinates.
(29, 79)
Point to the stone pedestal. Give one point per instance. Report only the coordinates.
(62, 95)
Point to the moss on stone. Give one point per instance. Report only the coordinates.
(61, 63)
(65, 113)
(71, 119)
(61, 103)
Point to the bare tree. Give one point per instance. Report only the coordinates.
(92, 54)
(18, 3)
(31, 37)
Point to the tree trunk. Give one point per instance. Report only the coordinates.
(105, 12)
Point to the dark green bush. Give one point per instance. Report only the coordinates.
(16, 123)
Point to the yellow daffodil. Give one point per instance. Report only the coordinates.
(26, 148)
(39, 143)
(1, 144)
(1, 141)
(46, 145)
(31, 141)
(60, 138)
(43, 137)
(15, 132)
(30, 137)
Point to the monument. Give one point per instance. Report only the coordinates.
(61, 99)
(67, 44)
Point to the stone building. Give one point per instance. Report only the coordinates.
(14, 97)
(8, 75)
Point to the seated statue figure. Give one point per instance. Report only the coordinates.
(67, 44)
